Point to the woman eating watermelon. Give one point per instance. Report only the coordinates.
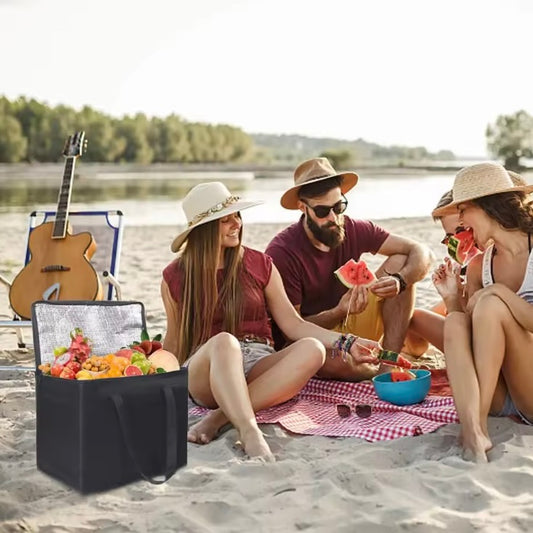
(427, 325)
(489, 341)
(218, 295)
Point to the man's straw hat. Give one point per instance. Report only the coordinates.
(477, 181)
(207, 202)
(311, 171)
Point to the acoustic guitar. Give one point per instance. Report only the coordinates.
(59, 267)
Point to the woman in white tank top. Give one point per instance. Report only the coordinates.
(489, 346)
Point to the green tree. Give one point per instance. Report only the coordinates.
(339, 158)
(135, 132)
(511, 138)
(13, 144)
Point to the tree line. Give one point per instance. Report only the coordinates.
(32, 131)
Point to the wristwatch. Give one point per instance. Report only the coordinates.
(402, 282)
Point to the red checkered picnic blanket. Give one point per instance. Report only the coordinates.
(314, 412)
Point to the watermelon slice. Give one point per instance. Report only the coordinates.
(388, 357)
(400, 374)
(354, 273)
(461, 247)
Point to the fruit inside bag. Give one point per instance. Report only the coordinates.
(78, 362)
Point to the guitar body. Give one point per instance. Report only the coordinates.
(59, 269)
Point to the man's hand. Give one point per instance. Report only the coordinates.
(364, 351)
(386, 287)
(353, 301)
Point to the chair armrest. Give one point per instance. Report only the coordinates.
(114, 283)
(5, 281)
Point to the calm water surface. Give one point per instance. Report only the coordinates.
(149, 198)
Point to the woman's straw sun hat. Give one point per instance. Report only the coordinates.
(207, 202)
(477, 181)
(311, 171)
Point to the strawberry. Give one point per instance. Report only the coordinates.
(137, 348)
(156, 345)
(147, 346)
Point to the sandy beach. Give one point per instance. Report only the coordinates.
(417, 484)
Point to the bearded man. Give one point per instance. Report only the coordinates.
(308, 252)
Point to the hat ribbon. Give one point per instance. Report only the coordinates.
(212, 210)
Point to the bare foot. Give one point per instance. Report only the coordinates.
(475, 449)
(206, 429)
(255, 445)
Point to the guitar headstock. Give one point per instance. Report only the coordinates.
(75, 145)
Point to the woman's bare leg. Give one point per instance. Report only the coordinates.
(500, 344)
(216, 378)
(273, 380)
(461, 368)
(465, 385)
(425, 327)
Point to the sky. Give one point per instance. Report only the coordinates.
(427, 73)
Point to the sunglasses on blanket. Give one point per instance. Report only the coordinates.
(322, 211)
(361, 410)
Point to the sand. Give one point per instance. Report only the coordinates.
(415, 484)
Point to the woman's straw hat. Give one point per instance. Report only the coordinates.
(311, 171)
(477, 181)
(207, 202)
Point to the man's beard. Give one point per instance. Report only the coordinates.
(332, 235)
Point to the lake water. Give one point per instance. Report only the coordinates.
(147, 198)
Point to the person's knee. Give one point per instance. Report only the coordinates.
(489, 309)
(225, 344)
(312, 351)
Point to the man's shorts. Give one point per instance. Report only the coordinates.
(368, 324)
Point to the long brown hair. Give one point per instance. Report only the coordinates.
(513, 210)
(199, 299)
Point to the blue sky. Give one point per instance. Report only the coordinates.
(414, 72)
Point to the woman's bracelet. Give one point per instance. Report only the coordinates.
(343, 345)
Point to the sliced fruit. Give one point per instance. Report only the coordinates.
(354, 273)
(133, 370)
(164, 359)
(461, 246)
(388, 357)
(124, 352)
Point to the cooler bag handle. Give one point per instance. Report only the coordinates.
(172, 436)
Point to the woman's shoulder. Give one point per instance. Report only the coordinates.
(251, 254)
(171, 270)
(257, 263)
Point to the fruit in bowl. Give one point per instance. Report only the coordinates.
(402, 391)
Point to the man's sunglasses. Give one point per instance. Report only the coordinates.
(322, 211)
(458, 229)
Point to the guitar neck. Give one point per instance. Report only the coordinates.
(60, 225)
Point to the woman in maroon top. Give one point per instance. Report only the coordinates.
(217, 295)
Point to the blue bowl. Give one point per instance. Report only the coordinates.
(403, 392)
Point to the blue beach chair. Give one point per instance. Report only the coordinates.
(106, 227)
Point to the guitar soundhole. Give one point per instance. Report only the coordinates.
(55, 268)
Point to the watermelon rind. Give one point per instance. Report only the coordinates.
(340, 273)
(388, 355)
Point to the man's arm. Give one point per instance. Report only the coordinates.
(418, 257)
(327, 319)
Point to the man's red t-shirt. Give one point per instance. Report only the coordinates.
(307, 272)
